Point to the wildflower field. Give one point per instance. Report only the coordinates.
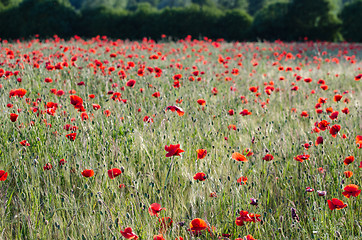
(188, 139)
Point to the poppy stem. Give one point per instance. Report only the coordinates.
(168, 173)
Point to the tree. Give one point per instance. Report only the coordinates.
(234, 4)
(352, 23)
(313, 19)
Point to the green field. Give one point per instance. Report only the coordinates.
(283, 90)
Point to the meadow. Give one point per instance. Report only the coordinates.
(187, 139)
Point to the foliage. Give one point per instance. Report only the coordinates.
(352, 24)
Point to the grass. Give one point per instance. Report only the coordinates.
(62, 204)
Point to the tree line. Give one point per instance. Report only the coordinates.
(289, 20)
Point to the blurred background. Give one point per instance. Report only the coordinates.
(237, 20)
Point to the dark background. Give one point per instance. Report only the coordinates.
(289, 20)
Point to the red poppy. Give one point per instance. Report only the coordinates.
(166, 222)
(337, 98)
(323, 125)
(319, 141)
(3, 175)
(245, 112)
(114, 172)
(131, 83)
(239, 157)
(154, 209)
(214, 91)
(96, 106)
(148, 119)
(242, 180)
(348, 174)
(201, 153)
(348, 160)
(334, 130)
(345, 110)
(158, 237)
(76, 101)
(335, 203)
(128, 234)
(13, 117)
(231, 112)
(334, 115)
(304, 114)
(201, 101)
(179, 110)
(268, 157)
(156, 94)
(351, 190)
(232, 126)
(359, 141)
(200, 176)
(88, 173)
(84, 116)
(24, 143)
(329, 109)
(253, 89)
(47, 166)
(62, 162)
(324, 87)
(197, 225)
(173, 150)
(71, 136)
(301, 158)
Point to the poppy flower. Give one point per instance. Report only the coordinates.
(304, 114)
(84, 116)
(88, 173)
(200, 176)
(62, 162)
(244, 217)
(179, 110)
(345, 110)
(231, 112)
(71, 136)
(309, 189)
(255, 217)
(107, 113)
(213, 194)
(348, 174)
(268, 157)
(245, 112)
(351, 190)
(128, 234)
(166, 222)
(247, 237)
(114, 172)
(337, 98)
(358, 77)
(214, 91)
(253, 89)
(253, 202)
(323, 125)
(13, 117)
(301, 158)
(348, 160)
(201, 101)
(156, 94)
(24, 143)
(3, 175)
(334, 130)
(96, 106)
(248, 152)
(319, 141)
(197, 225)
(158, 237)
(154, 209)
(359, 141)
(335, 203)
(47, 166)
(321, 193)
(239, 157)
(201, 153)
(173, 150)
(232, 126)
(76, 101)
(148, 119)
(131, 83)
(334, 115)
(242, 180)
